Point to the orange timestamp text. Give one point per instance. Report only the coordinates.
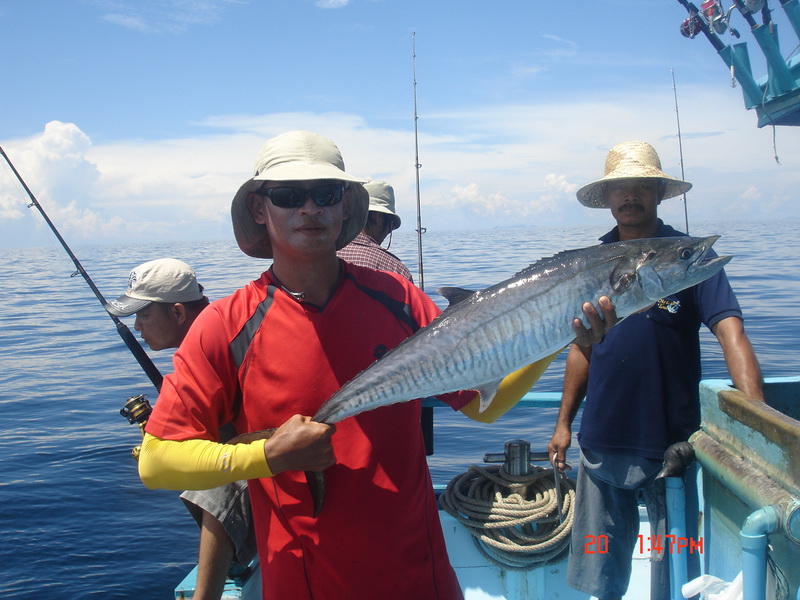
(671, 544)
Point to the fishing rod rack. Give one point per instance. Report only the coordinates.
(775, 97)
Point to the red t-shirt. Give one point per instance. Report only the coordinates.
(378, 533)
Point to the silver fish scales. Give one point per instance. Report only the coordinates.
(485, 335)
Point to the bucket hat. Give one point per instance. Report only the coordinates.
(296, 156)
(162, 280)
(381, 199)
(630, 160)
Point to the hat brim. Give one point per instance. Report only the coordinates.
(125, 306)
(253, 238)
(593, 194)
(396, 221)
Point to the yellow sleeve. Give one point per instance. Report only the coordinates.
(511, 391)
(199, 464)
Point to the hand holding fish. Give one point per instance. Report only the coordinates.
(599, 324)
(300, 444)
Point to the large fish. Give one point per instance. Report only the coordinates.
(483, 336)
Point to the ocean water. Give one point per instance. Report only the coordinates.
(75, 521)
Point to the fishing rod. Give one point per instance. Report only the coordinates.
(130, 340)
(680, 148)
(426, 419)
(420, 229)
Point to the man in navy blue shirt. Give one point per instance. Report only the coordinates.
(640, 383)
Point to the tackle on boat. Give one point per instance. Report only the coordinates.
(776, 96)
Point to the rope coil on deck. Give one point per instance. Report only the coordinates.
(513, 519)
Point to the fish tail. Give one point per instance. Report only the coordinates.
(316, 485)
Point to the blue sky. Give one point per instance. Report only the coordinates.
(139, 119)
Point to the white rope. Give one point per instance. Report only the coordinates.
(513, 519)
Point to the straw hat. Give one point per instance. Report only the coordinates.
(381, 199)
(296, 156)
(164, 280)
(630, 160)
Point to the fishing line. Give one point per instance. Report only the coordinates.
(680, 149)
(124, 332)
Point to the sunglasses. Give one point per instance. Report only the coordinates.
(293, 197)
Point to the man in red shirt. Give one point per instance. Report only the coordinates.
(276, 350)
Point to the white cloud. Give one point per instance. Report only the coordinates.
(10, 207)
(751, 194)
(482, 167)
(520, 70)
(128, 22)
(471, 198)
(561, 48)
(332, 3)
(54, 166)
(173, 16)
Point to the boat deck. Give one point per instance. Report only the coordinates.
(480, 580)
(747, 452)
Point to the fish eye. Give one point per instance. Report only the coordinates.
(686, 253)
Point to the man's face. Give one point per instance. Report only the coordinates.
(633, 202)
(159, 326)
(306, 229)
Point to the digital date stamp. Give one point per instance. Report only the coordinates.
(671, 544)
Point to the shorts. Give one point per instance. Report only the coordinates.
(230, 505)
(609, 490)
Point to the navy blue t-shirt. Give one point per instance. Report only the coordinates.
(643, 377)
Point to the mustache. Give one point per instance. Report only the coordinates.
(312, 222)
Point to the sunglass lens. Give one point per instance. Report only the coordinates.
(292, 197)
(286, 197)
(327, 195)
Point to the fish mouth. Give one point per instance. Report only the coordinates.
(703, 261)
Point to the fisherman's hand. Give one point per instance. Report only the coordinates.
(300, 444)
(557, 448)
(598, 324)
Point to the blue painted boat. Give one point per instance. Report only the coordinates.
(776, 96)
(749, 485)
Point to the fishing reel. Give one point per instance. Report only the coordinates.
(137, 410)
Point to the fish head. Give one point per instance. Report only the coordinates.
(660, 267)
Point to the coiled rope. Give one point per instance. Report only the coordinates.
(513, 519)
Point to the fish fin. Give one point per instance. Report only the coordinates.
(455, 295)
(487, 393)
(556, 260)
